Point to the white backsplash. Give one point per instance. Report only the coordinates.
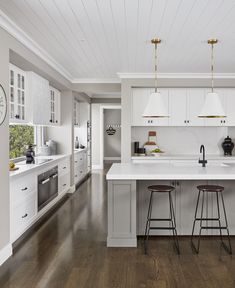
(184, 140)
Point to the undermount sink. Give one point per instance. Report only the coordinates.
(196, 164)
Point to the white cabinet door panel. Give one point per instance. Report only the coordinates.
(178, 106)
(196, 98)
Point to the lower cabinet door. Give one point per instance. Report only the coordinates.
(22, 215)
(64, 183)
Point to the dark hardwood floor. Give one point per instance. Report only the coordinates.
(69, 250)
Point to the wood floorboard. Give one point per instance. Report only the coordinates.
(68, 250)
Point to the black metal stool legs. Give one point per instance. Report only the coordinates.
(147, 227)
(171, 220)
(201, 219)
(227, 248)
(173, 224)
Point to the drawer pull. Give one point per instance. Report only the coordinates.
(25, 215)
(45, 181)
(24, 189)
(64, 185)
(76, 175)
(80, 159)
(76, 161)
(64, 167)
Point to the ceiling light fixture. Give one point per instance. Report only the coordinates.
(155, 107)
(212, 107)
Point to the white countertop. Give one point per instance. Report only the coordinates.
(78, 150)
(166, 156)
(26, 168)
(154, 171)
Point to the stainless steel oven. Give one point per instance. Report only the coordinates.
(47, 187)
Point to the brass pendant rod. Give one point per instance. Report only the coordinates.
(155, 67)
(212, 67)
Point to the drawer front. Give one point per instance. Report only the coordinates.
(64, 167)
(64, 183)
(22, 214)
(20, 189)
(79, 173)
(79, 159)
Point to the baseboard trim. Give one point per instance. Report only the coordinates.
(112, 158)
(121, 242)
(72, 189)
(5, 253)
(96, 167)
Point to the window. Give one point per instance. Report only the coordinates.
(20, 136)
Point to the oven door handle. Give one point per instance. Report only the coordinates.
(45, 181)
(54, 176)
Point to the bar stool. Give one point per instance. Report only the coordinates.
(219, 191)
(161, 189)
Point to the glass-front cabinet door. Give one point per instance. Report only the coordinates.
(54, 106)
(17, 95)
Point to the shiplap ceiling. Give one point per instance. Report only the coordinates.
(98, 38)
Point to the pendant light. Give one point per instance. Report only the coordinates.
(212, 107)
(155, 107)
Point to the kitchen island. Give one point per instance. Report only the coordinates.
(128, 196)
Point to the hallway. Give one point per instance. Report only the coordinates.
(69, 250)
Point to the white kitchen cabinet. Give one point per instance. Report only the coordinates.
(55, 106)
(195, 101)
(18, 99)
(140, 97)
(185, 106)
(80, 165)
(230, 104)
(76, 113)
(223, 97)
(38, 89)
(178, 107)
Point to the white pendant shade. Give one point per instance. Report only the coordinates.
(155, 107)
(212, 107)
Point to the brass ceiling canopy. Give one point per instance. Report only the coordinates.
(156, 41)
(213, 41)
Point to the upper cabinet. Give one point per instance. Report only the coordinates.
(184, 106)
(32, 100)
(38, 89)
(140, 97)
(55, 118)
(18, 97)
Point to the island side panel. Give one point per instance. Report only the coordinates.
(121, 214)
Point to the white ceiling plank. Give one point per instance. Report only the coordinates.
(97, 38)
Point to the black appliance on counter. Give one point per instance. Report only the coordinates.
(47, 187)
(228, 146)
(136, 147)
(30, 154)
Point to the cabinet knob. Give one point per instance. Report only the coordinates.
(188, 121)
(25, 215)
(64, 185)
(24, 189)
(56, 121)
(185, 121)
(50, 120)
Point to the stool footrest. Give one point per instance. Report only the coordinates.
(207, 219)
(162, 228)
(214, 227)
(159, 219)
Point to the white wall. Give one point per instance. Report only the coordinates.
(183, 140)
(96, 132)
(112, 143)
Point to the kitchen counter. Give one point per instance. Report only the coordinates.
(166, 156)
(127, 190)
(27, 168)
(172, 171)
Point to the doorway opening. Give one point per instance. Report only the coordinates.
(110, 135)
